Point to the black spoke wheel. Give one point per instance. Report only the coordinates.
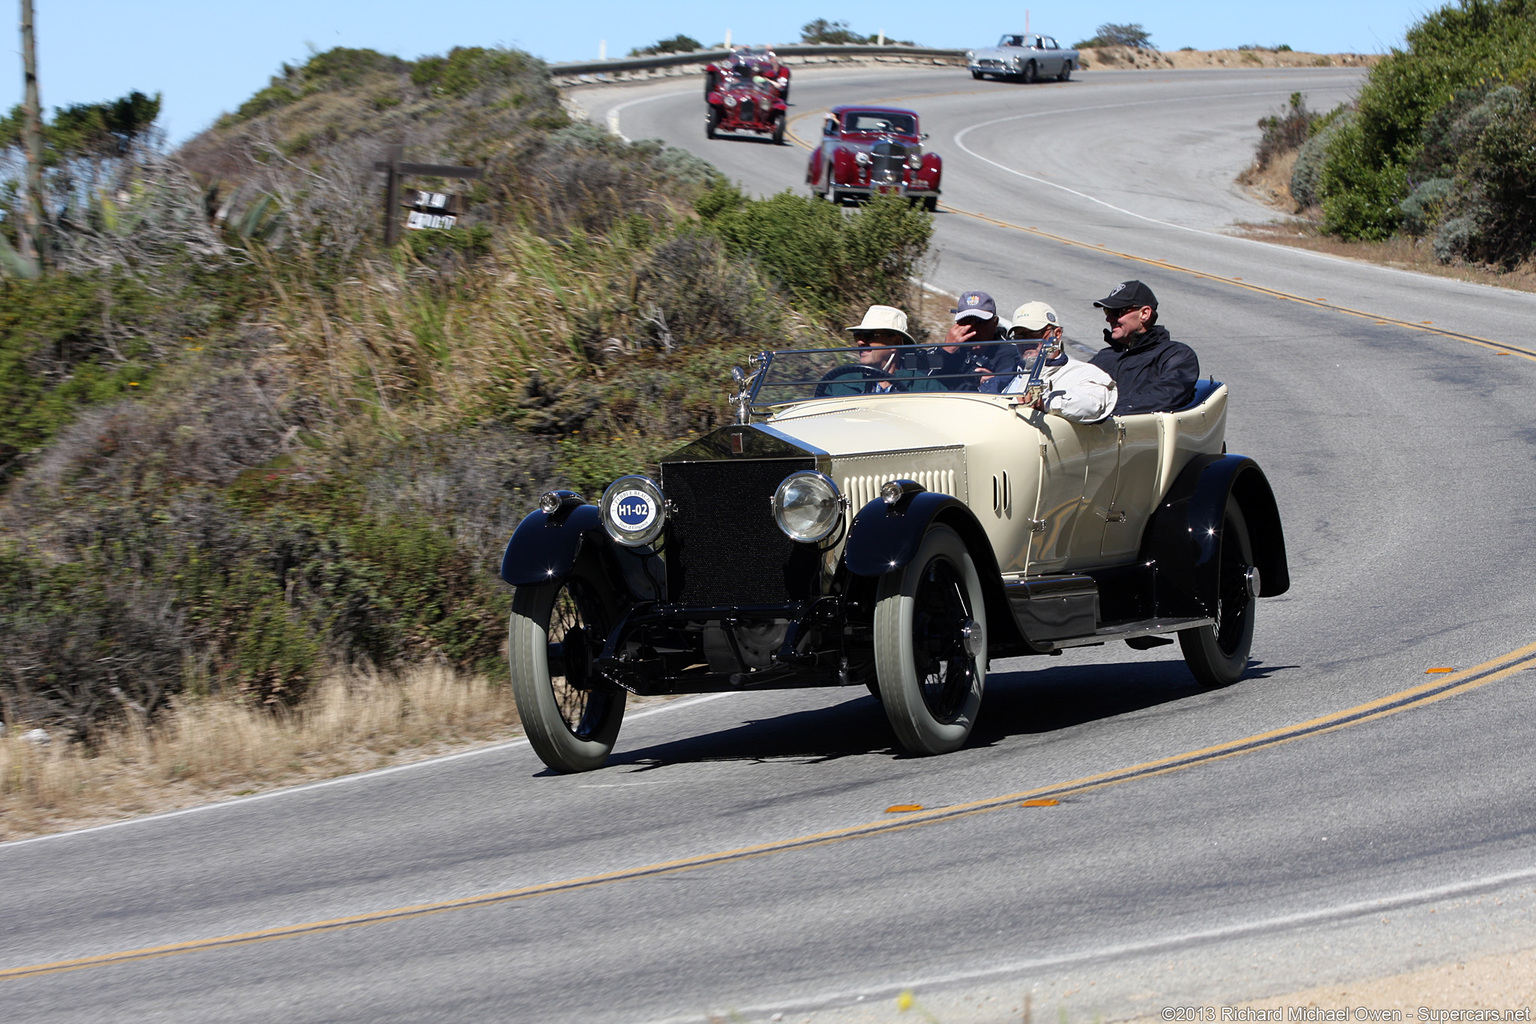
(1031, 73)
(931, 645)
(1066, 72)
(1218, 654)
(712, 123)
(556, 631)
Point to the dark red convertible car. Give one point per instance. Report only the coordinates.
(746, 103)
(865, 150)
(749, 62)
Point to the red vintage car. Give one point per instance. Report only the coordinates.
(749, 62)
(746, 104)
(865, 150)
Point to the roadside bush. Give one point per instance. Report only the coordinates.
(689, 294)
(1462, 47)
(1285, 131)
(1312, 155)
(1495, 185)
(1421, 210)
(820, 254)
(1359, 195)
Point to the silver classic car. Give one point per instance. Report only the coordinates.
(1023, 58)
(863, 528)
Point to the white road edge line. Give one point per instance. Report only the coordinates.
(241, 801)
(1283, 922)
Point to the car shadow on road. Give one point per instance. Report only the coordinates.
(1018, 703)
(1041, 700)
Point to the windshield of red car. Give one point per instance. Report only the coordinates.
(861, 121)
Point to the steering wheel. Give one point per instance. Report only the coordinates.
(848, 371)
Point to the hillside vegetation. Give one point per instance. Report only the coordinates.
(242, 444)
(1441, 144)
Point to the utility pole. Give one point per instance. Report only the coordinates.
(32, 220)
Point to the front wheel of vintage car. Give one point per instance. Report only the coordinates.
(712, 122)
(931, 645)
(1218, 654)
(1066, 72)
(557, 629)
(778, 130)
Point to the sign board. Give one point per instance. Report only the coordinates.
(419, 220)
(431, 209)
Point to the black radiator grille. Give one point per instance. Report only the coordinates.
(723, 547)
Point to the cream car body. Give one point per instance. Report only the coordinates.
(836, 536)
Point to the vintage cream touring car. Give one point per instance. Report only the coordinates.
(900, 541)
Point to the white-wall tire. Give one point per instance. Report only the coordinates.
(571, 724)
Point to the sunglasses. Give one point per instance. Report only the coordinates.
(1025, 336)
(878, 338)
(1116, 314)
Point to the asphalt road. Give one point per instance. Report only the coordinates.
(738, 857)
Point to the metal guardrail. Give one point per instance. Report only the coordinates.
(622, 65)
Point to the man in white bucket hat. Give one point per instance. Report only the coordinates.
(876, 336)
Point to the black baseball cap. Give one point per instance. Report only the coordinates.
(1128, 295)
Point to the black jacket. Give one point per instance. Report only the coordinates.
(1157, 374)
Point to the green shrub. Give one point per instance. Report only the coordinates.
(1312, 155)
(1460, 48)
(1493, 200)
(820, 254)
(1421, 210)
(1359, 195)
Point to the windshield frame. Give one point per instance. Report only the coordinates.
(792, 376)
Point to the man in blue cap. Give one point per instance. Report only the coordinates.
(1152, 372)
(959, 359)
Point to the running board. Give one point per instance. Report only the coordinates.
(1128, 631)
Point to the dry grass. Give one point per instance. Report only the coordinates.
(1272, 186)
(216, 749)
(1404, 253)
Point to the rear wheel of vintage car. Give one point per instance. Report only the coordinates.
(1218, 655)
(1066, 71)
(931, 645)
(556, 630)
(712, 122)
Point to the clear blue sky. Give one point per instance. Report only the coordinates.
(208, 56)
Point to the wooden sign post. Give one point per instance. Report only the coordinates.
(394, 169)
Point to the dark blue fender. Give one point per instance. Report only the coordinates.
(1183, 539)
(544, 547)
(884, 537)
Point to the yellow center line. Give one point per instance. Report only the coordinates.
(1424, 694)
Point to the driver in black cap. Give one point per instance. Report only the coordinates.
(1152, 372)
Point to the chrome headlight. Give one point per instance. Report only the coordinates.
(633, 510)
(807, 506)
(915, 161)
(730, 101)
(862, 158)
